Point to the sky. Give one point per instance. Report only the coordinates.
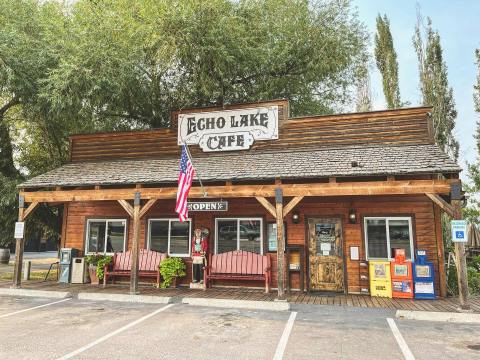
(458, 23)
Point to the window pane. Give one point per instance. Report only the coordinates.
(399, 236)
(377, 238)
(96, 236)
(179, 237)
(116, 236)
(250, 235)
(159, 236)
(226, 235)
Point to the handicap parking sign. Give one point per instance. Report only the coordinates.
(459, 229)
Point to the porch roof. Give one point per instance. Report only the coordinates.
(293, 164)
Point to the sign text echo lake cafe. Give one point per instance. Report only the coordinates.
(228, 130)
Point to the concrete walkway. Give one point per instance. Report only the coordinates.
(248, 294)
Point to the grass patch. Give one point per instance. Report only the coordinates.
(34, 275)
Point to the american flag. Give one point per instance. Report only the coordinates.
(185, 178)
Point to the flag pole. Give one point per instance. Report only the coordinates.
(199, 179)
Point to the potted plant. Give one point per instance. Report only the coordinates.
(170, 269)
(96, 264)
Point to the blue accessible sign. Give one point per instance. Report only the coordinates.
(459, 230)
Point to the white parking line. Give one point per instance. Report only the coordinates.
(407, 354)
(282, 344)
(33, 308)
(118, 331)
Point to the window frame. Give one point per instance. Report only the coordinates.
(149, 234)
(106, 220)
(387, 219)
(238, 219)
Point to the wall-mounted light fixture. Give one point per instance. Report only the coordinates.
(295, 218)
(352, 216)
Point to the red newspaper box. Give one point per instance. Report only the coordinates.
(401, 273)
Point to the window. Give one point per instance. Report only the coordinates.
(169, 236)
(385, 234)
(106, 236)
(239, 234)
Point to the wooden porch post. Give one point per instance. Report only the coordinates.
(22, 215)
(135, 245)
(17, 271)
(280, 244)
(461, 261)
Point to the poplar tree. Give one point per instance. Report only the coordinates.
(436, 91)
(472, 210)
(364, 94)
(386, 59)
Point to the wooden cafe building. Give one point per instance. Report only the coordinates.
(332, 191)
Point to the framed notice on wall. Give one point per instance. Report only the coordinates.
(272, 235)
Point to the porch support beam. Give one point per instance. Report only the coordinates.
(20, 243)
(280, 244)
(397, 187)
(442, 204)
(147, 207)
(135, 245)
(289, 207)
(127, 207)
(30, 209)
(266, 204)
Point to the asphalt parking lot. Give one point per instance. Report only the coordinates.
(33, 328)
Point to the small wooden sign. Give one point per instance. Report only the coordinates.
(19, 230)
(208, 206)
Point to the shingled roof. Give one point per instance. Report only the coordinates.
(293, 164)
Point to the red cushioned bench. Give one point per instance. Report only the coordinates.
(238, 265)
(148, 262)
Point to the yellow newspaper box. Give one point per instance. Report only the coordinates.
(380, 279)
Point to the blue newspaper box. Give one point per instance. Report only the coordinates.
(423, 277)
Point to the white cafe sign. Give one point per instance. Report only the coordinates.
(228, 130)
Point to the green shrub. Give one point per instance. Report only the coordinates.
(170, 268)
(473, 276)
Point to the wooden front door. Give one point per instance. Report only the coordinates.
(325, 254)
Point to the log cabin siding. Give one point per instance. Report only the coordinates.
(399, 127)
(425, 222)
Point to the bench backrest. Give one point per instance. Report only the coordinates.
(239, 262)
(148, 260)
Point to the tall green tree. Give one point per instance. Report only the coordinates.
(387, 64)
(363, 101)
(135, 63)
(472, 210)
(434, 86)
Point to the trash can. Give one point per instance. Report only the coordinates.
(66, 257)
(79, 271)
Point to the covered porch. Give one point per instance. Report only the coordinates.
(277, 199)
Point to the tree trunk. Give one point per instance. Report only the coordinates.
(7, 166)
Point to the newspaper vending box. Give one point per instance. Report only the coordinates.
(423, 277)
(402, 279)
(380, 280)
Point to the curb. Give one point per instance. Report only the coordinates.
(239, 304)
(35, 293)
(144, 299)
(438, 316)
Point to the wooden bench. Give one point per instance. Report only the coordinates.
(238, 265)
(148, 262)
